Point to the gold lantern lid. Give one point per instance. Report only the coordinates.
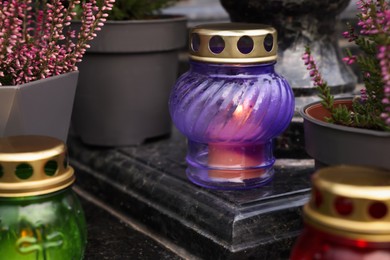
(233, 43)
(33, 165)
(351, 202)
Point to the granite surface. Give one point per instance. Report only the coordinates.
(148, 183)
(111, 238)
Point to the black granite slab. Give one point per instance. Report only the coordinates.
(111, 238)
(148, 183)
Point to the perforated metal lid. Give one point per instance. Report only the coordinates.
(33, 165)
(352, 202)
(233, 43)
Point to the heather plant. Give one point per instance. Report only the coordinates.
(372, 109)
(36, 40)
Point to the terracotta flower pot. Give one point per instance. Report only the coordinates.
(331, 144)
(41, 107)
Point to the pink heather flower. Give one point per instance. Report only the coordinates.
(350, 35)
(384, 61)
(374, 18)
(313, 70)
(37, 44)
(350, 59)
(363, 95)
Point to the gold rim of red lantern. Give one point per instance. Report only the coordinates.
(351, 201)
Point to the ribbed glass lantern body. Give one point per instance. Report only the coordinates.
(47, 227)
(230, 113)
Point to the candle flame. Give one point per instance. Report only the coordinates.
(241, 113)
(24, 233)
(239, 110)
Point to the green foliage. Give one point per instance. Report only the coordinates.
(368, 115)
(342, 115)
(134, 9)
(365, 114)
(326, 97)
(137, 9)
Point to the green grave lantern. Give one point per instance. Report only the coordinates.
(40, 216)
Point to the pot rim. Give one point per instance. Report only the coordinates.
(164, 18)
(24, 85)
(302, 112)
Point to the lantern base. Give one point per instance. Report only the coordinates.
(230, 166)
(200, 177)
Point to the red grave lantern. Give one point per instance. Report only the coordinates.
(347, 217)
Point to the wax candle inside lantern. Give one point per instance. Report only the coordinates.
(240, 161)
(238, 158)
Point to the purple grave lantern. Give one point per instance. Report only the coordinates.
(231, 104)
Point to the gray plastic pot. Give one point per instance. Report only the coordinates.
(331, 144)
(125, 81)
(41, 107)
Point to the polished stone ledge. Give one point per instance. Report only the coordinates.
(148, 183)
